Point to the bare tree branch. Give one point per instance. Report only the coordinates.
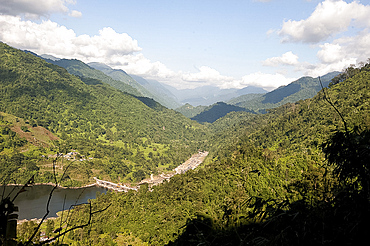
(48, 202)
(91, 213)
(326, 97)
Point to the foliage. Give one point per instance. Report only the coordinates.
(349, 72)
(349, 153)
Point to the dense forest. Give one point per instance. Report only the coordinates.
(297, 175)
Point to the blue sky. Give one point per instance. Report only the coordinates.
(186, 44)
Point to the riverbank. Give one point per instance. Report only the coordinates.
(53, 184)
(193, 162)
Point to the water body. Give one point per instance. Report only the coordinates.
(32, 203)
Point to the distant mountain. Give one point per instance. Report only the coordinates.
(118, 75)
(152, 89)
(208, 95)
(244, 98)
(158, 92)
(50, 57)
(78, 68)
(303, 88)
(190, 111)
(216, 111)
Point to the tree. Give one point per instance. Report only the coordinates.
(349, 153)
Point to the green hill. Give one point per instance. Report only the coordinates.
(150, 89)
(190, 111)
(78, 68)
(125, 139)
(216, 111)
(119, 75)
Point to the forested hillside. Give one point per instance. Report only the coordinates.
(295, 176)
(216, 111)
(121, 138)
(190, 111)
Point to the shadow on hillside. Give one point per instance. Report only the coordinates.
(345, 222)
(150, 103)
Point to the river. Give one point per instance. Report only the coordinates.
(32, 203)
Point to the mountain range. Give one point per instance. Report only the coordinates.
(220, 101)
(203, 104)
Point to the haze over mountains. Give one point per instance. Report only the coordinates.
(203, 104)
(192, 102)
(168, 96)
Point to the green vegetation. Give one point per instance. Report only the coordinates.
(266, 182)
(81, 69)
(216, 111)
(91, 117)
(295, 175)
(190, 111)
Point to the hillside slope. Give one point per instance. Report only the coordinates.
(216, 111)
(150, 89)
(127, 139)
(158, 92)
(78, 68)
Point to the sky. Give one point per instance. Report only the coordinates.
(193, 43)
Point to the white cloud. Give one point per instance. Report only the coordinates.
(340, 54)
(287, 58)
(49, 37)
(330, 53)
(119, 50)
(320, 69)
(34, 9)
(75, 13)
(139, 65)
(329, 18)
(356, 46)
(205, 74)
(265, 80)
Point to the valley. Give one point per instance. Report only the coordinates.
(279, 167)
